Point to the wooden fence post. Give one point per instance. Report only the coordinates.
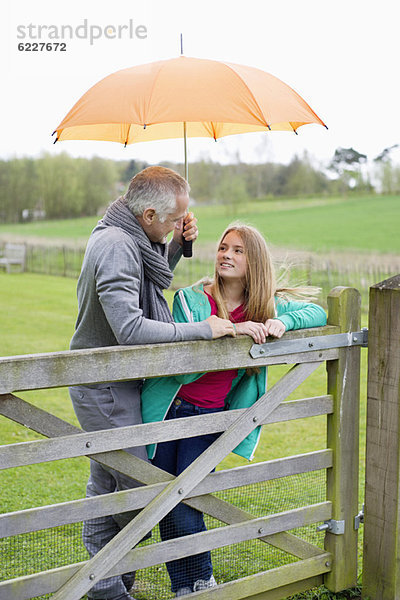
(344, 305)
(381, 574)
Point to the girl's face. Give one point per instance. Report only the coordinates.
(231, 260)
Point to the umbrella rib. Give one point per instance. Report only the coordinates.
(127, 135)
(250, 92)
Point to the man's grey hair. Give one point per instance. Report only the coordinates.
(155, 187)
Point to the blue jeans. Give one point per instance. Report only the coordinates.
(183, 520)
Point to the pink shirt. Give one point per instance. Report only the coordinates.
(212, 388)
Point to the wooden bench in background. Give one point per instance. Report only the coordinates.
(13, 256)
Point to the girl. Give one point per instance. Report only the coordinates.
(243, 290)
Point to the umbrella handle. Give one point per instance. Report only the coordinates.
(187, 248)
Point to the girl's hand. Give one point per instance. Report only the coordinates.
(257, 331)
(275, 327)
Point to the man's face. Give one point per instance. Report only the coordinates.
(157, 231)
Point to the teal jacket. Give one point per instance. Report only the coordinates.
(191, 305)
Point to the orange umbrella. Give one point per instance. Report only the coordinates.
(184, 97)
(214, 99)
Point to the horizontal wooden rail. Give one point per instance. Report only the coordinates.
(121, 363)
(219, 537)
(82, 444)
(139, 558)
(281, 582)
(44, 517)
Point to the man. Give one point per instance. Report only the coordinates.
(126, 266)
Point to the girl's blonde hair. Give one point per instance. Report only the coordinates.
(261, 284)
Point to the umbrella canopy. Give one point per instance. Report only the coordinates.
(213, 99)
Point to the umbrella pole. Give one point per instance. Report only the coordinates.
(187, 246)
(185, 152)
(184, 130)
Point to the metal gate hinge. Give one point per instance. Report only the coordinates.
(332, 526)
(358, 519)
(310, 344)
(360, 338)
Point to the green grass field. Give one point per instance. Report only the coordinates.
(362, 223)
(319, 225)
(37, 314)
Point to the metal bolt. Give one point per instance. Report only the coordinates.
(88, 444)
(261, 530)
(255, 419)
(261, 351)
(354, 339)
(327, 564)
(180, 491)
(320, 354)
(310, 344)
(91, 576)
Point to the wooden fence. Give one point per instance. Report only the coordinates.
(335, 565)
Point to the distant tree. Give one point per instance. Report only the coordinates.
(99, 178)
(204, 177)
(18, 188)
(303, 179)
(347, 163)
(130, 169)
(345, 157)
(386, 153)
(263, 180)
(59, 185)
(72, 187)
(387, 173)
(231, 191)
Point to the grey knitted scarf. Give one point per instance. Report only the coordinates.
(158, 275)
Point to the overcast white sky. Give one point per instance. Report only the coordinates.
(342, 56)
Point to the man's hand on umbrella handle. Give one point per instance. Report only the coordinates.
(220, 327)
(190, 231)
(186, 229)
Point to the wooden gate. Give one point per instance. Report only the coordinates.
(335, 565)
